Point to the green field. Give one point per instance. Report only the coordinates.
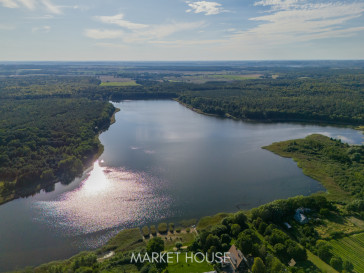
(130, 83)
(125, 240)
(350, 249)
(187, 267)
(320, 264)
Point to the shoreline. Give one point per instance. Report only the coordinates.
(267, 121)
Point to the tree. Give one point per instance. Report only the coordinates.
(336, 263)
(323, 251)
(235, 230)
(178, 245)
(155, 244)
(258, 266)
(348, 266)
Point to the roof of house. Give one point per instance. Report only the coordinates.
(292, 262)
(236, 256)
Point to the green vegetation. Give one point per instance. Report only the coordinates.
(146, 231)
(351, 249)
(163, 228)
(125, 240)
(48, 139)
(338, 166)
(131, 83)
(182, 266)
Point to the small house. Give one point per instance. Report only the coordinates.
(300, 217)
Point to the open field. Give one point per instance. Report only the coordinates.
(351, 249)
(130, 83)
(336, 223)
(320, 264)
(203, 78)
(125, 240)
(182, 266)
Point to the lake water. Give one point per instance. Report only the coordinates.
(162, 162)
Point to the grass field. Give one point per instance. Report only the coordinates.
(130, 83)
(350, 249)
(324, 267)
(125, 240)
(187, 267)
(209, 221)
(337, 223)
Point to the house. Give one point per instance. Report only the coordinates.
(292, 262)
(287, 225)
(300, 217)
(237, 259)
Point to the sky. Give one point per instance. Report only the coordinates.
(180, 30)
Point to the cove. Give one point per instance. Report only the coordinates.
(161, 162)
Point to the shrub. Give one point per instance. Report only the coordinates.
(178, 230)
(153, 230)
(171, 227)
(145, 231)
(162, 228)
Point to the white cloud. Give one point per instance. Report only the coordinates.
(44, 29)
(29, 4)
(32, 5)
(208, 8)
(9, 4)
(103, 33)
(299, 22)
(118, 20)
(278, 4)
(138, 33)
(51, 7)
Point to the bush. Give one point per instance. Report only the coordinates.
(171, 227)
(162, 228)
(336, 263)
(178, 230)
(145, 231)
(188, 230)
(153, 230)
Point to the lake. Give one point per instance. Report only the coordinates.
(162, 162)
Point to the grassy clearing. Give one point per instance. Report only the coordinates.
(187, 267)
(125, 240)
(209, 221)
(337, 223)
(320, 264)
(120, 84)
(170, 239)
(350, 249)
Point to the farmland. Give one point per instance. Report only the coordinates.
(351, 249)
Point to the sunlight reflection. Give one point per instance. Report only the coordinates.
(97, 181)
(107, 198)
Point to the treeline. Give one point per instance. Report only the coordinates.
(328, 99)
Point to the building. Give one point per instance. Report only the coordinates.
(300, 217)
(237, 259)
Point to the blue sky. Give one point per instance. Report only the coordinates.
(82, 30)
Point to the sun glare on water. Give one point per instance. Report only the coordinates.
(107, 198)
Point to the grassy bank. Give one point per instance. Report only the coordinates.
(338, 166)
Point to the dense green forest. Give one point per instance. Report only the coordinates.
(46, 137)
